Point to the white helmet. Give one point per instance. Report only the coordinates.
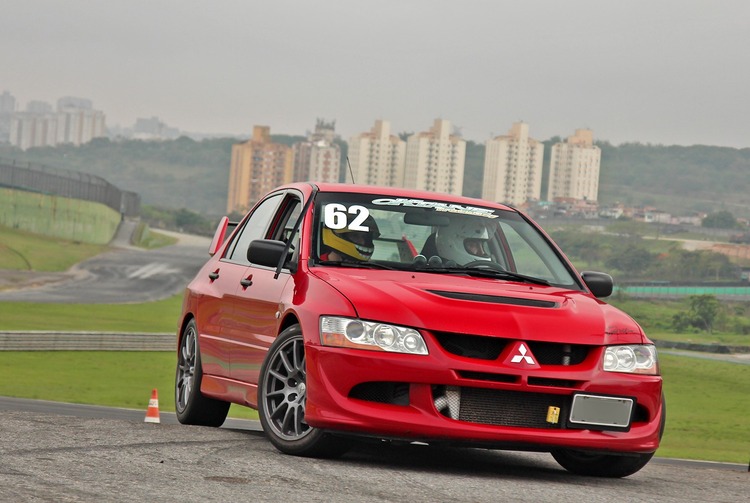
(464, 240)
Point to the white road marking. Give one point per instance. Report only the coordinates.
(152, 269)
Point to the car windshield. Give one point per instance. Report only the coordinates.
(386, 232)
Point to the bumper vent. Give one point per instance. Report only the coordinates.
(394, 393)
(499, 407)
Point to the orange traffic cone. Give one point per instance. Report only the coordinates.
(152, 413)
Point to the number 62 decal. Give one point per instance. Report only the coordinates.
(336, 216)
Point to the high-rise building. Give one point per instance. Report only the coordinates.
(574, 168)
(435, 160)
(39, 126)
(258, 165)
(7, 109)
(319, 158)
(513, 167)
(378, 157)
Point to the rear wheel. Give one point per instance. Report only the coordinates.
(282, 395)
(190, 405)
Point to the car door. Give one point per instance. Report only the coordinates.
(256, 299)
(217, 348)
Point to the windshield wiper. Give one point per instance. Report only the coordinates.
(356, 265)
(487, 273)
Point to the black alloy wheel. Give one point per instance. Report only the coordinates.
(282, 395)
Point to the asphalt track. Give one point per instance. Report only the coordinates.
(124, 274)
(62, 452)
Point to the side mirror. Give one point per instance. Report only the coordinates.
(600, 284)
(267, 252)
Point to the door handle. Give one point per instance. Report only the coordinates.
(246, 282)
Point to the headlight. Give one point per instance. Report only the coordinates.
(351, 333)
(632, 359)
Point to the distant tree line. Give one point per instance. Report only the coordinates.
(629, 258)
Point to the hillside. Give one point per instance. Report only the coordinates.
(184, 173)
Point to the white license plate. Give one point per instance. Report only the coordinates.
(606, 411)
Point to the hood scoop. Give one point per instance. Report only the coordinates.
(494, 299)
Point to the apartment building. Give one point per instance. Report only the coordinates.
(74, 122)
(258, 165)
(513, 167)
(7, 109)
(574, 168)
(319, 158)
(378, 157)
(435, 160)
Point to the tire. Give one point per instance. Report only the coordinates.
(191, 406)
(601, 465)
(607, 465)
(282, 396)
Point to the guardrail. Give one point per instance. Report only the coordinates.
(86, 341)
(117, 341)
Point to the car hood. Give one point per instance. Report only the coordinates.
(481, 306)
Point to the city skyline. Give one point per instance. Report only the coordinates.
(662, 73)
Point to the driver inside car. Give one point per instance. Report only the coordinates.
(346, 245)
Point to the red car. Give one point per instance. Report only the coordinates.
(342, 310)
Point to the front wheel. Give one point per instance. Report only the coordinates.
(601, 465)
(190, 405)
(282, 394)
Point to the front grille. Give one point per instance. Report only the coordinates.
(553, 353)
(490, 348)
(471, 346)
(499, 407)
(394, 393)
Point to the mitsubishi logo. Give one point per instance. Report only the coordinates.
(522, 356)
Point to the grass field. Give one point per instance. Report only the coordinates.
(706, 400)
(112, 378)
(150, 317)
(25, 251)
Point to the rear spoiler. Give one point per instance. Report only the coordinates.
(223, 231)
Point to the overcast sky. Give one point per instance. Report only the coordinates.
(653, 71)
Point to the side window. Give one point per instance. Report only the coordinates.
(255, 227)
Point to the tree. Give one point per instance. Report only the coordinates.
(630, 259)
(702, 313)
(720, 220)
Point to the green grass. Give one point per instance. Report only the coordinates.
(151, 317)
(156, 240)
(707, 409)
(111, 378)
(24, 251)
(706, 400)
(656, 319)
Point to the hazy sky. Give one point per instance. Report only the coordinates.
(653, 71)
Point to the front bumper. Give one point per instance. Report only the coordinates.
(446, 398)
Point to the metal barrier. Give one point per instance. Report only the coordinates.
(86, 341)
(72, 184)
